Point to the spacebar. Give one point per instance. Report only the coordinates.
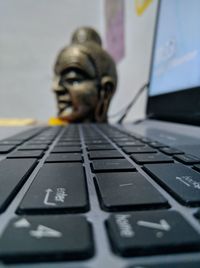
(13, 173)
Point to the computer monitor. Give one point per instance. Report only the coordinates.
(174, 91)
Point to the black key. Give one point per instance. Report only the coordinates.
(6, 148)
(185, 264)
(58, 187)
(146, 140)
(36, 142)
(151, 232)
(10, 142)
(141, 149)
(126, 144)
(69, 140)
(187, 159)
(42, 139)
(33, 147)
(114, 135)
(157, 144)
(125, 139)
(92, 147)
(171, 151)
(95, 142)
(127, 191)
(63, 157)
(26, 135)
(179, 180)
(13, 173)
(197, 214)
(136, 136)
(197, 167)
(64, 143)
(151, 158)
(131, 149)
(46, 238)
(26, 154)
(105, 154)
(66, 149)
(112, 165)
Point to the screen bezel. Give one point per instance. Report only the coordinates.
(173, 106)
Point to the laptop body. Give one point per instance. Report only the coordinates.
(157, 225)
(174, 91)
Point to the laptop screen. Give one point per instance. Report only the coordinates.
(175, 67)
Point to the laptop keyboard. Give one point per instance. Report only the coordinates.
(95, 196)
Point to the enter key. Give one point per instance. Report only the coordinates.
(55, 190)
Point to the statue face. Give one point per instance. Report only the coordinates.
(84, 81)
(76, 94)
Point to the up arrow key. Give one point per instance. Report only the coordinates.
(22, 223)
(43, 231)
(162, 226)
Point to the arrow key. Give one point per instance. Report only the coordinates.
(46, 238)
(151, 232)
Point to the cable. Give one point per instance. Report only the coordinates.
(127, 109)
(117, 113)
(123, 109)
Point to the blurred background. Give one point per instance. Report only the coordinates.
(32, 33)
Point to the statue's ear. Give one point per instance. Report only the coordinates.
(105, 95)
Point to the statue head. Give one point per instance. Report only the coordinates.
(85, 79)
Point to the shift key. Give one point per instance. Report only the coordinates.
(13, 174)
(55, 190)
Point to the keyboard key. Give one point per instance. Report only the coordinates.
(128, 149)
(27, 154)
(10, 142)
(13, 172)
(187, 159)
(125, 139)
(127, 191)
(141, 149)
(46, 238)
(65, 143)
(36, 142)
(58, 187)
(171, 151)
(42, 139)
(130, 143)
(26, 135)
(105, 154)
(151, 232)
(157, 144)
(62, 157)
(95, 142)
(33, 147)
(146, 140)
(69, 140)
(66, 149)
(179, 180)
(6, 148)
(151, 158)
(197, 214)
(197, 167)
(92, 147)
(185, 264)
(112, 165)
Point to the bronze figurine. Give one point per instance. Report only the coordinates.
(85, 79)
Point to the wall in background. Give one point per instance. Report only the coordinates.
(134, 68)
(32, 33)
